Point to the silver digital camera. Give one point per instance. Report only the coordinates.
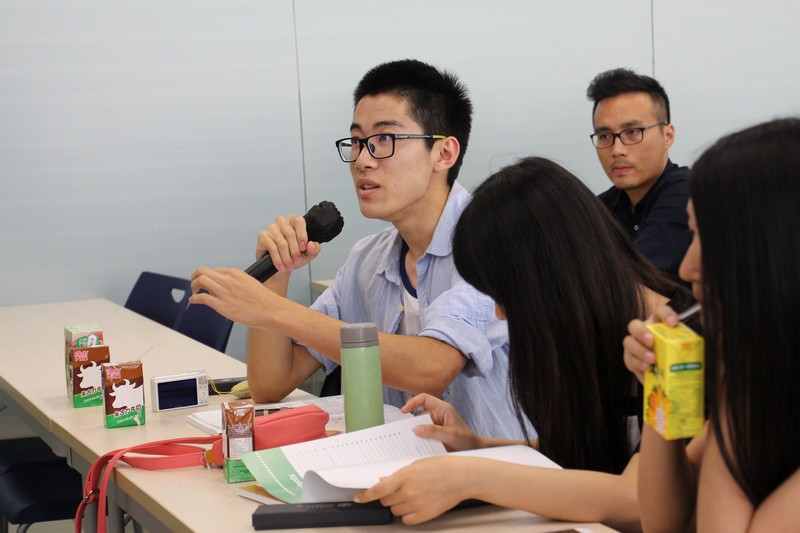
(178, 391)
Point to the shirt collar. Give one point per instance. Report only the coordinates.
(652, 191)
(441, 244)
(622, 200)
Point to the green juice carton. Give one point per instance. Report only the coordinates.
(78, 336)
(85, 376)
(674, 386)
(238, 437)
(123, 394)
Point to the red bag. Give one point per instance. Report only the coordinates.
(285, 427)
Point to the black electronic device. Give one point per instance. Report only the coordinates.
(323, 223)
(329, 514)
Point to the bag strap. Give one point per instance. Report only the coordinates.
(158, 455)
(278, 429)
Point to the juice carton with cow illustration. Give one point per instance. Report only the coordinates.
(123, 394)
(673, 387)
(85, 376)
(78, 336)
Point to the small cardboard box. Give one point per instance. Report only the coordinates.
(123, 394)
(86, 378)
(78, 336)
(674, 386)
(238, 418)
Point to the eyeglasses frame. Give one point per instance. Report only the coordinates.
(618, 135)
(394, 136)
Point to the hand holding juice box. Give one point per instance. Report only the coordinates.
(674, 386)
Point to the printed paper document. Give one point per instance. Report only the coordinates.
(338, 467)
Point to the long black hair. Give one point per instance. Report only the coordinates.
(569, 280)
(746, 195)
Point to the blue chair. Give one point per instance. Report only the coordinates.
(36, 485)
(159, 297)
(165, 299)
(205, 325)
(26, 453)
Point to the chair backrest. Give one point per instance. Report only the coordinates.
(205, 325)
(159, 297)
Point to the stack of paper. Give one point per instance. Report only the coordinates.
(336, 468)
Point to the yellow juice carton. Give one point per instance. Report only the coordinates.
(673, 387)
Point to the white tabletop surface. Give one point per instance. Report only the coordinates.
(191, 499)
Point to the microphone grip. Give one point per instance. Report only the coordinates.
(323, 223)
(262, 269)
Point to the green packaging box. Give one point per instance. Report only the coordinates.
(123, 394)
(235, 471)
(78, 336)
(87, 380)
(238, 419)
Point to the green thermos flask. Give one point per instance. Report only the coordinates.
(362, 384)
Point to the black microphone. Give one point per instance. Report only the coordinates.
(323, 223)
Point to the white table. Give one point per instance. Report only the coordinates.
(191, 499)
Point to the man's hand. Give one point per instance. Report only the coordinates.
(233, 294)
(286, 241)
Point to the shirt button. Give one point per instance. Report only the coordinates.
(636, 227)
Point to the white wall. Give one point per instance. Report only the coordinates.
(163, 135)
(726, 64)
(141, 135)
(526, 65)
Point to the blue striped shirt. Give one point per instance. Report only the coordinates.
(369, 288)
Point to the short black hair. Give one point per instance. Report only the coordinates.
(618, 81)
(437, 99)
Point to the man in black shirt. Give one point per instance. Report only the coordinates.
(632, 135)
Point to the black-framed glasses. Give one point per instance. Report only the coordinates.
(380, 145)
(605, 139)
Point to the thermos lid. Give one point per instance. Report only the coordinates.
(359, 334)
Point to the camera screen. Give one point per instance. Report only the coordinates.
(175, 394)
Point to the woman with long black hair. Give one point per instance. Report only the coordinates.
(742, 473)
(567, 279)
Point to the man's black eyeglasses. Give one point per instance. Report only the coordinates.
(605, 139)
(380, 145)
